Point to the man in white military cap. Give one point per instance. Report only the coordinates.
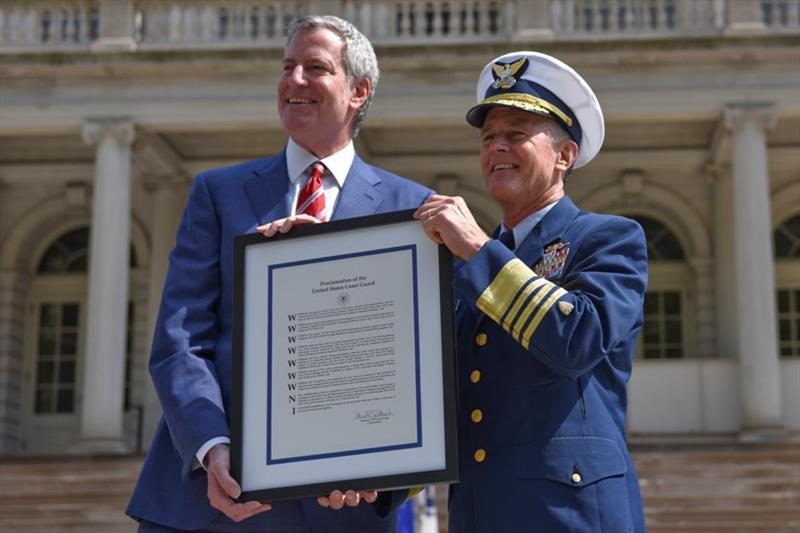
(548, 311)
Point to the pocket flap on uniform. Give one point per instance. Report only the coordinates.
(574, 461)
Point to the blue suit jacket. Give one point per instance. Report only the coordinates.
(190, 361)
(543, 363)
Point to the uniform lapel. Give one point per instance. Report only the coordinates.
(547, 231)
(268, 190)
(360, 195)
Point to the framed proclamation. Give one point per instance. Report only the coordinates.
(343, 359)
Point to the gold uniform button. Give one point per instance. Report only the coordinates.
(480, 339)
(475, 376)
(576, 478)
(480, 455)
(476, 415)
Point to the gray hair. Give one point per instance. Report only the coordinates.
(357, 55)
(558, 135)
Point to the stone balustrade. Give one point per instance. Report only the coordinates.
(594, 18)
(67, 25)
(48, 25)
(781, 14)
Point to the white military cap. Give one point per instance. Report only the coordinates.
(542, 84)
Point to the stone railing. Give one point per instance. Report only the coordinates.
(48, 25)
(97, 25)
(259, 22)
(594, 18)
(781, 14)
(204, 23)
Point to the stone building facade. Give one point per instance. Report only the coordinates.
(109, 107)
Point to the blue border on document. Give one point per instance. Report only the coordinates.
(418, 443)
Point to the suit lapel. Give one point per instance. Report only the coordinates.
(268, 190)
(360, 195)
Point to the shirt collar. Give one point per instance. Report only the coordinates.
(298, 160)
(527, 224)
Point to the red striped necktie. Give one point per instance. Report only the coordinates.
(312, 198)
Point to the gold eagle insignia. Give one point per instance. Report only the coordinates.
(506, 75)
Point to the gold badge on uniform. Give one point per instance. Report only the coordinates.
(507, 74)
(565, 308)
(552, 263)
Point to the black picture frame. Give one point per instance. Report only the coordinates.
(389, 238)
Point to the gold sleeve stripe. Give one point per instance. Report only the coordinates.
(543, 309)
(530, 308)
(523, 307)
(496, 298)
(519, 300)
(413, 491)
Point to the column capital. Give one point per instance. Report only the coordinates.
(121, 129)
(713, 171)
(734, 115)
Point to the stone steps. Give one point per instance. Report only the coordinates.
(67, 494)
(711, 488)
(686, 488)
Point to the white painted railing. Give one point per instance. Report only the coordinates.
(68, 25)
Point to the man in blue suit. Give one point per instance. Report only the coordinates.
(329, 77)
(548, 312)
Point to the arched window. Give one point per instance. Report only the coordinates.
(787, 239)
(59, 340)
(662, 245)
(70, 253)
(787, 280)
(665, 310)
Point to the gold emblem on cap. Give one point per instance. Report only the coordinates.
(565, 308)
(506, 74)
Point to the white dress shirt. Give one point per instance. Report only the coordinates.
(337, 166)
(526, 225)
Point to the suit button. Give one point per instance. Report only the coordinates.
(479, 455)
(576, 478)
(475, 376)
(480, 339)
(476, 415)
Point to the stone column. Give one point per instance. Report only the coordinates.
(168, 197)
(104, 366)
(756, 326)
(724, 274)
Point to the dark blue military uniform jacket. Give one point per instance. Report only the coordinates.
(545, 346)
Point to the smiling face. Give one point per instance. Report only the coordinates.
(524, 157)
(316, 102)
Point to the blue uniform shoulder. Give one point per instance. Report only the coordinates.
(587, 221)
